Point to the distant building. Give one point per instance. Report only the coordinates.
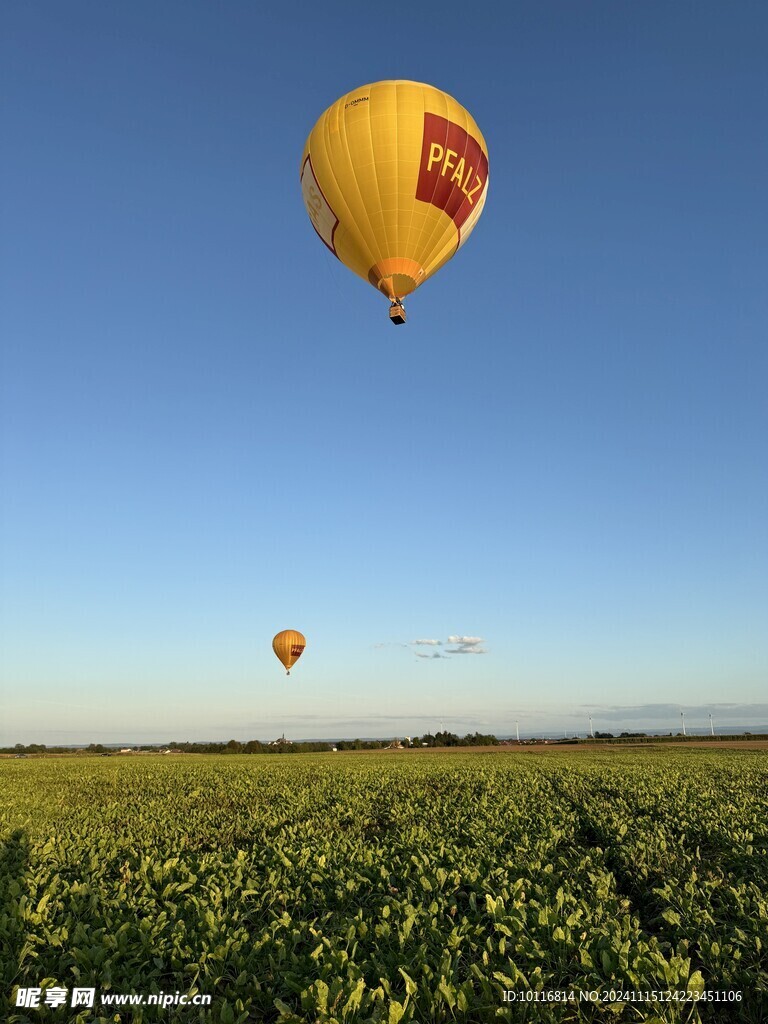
(279, 742)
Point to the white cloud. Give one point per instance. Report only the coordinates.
(466, 645)
(458, 645)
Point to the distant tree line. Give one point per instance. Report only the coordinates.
(251, 747)
(623, 735)
(450, 739)
(92, 748)
(439, 739)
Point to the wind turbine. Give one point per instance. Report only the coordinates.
(682, 719)
(591, 729)
(711, 726)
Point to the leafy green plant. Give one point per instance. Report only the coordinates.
(370, 888)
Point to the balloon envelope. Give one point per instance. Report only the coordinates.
(288, 646)
(394, 177)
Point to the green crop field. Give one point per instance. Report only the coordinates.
(389, 887)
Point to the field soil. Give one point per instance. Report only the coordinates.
(570, 748)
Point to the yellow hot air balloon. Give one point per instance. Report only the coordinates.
(288, 646)
(394, 177)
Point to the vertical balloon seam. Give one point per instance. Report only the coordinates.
(425, 233)
(439, 262)
(445, 254)
(483, 194)
(440, 259)
(442, 230)
(398, 249)
(373, 242)
(368, 229)
(413, 252)
(332, 246)
(353, 234)
(466, 143)
(468, 130)
(465, 115)
(481, 205)
(376, 177)
(430, 242)
(350, 225)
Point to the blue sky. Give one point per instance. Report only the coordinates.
(210, 430)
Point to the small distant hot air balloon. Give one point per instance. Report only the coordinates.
(394, 177)
(288, 646)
